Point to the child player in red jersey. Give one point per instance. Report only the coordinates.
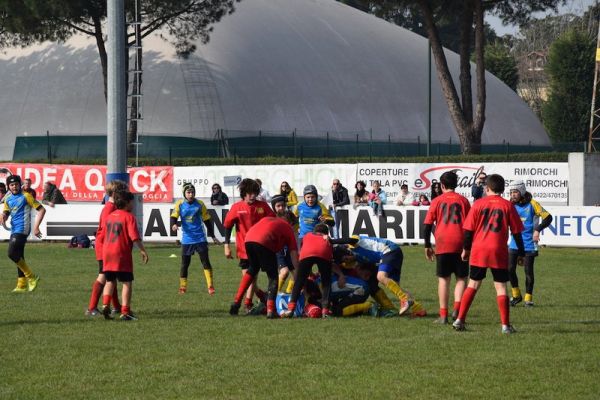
(98, 286)
(448, 211)
(263, 240)
(486, 241)
(121, 235)
(243, 215)
(316, 249)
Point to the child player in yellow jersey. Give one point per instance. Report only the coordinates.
(18, 205)
(193, 213)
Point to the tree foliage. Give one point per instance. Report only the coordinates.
(467, 115)
(570, 68)
(502, 64)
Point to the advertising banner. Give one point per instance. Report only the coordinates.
(571, 226)
(298, 176)
(85, 183)
(547, 182)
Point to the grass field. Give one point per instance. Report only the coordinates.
(190, 347)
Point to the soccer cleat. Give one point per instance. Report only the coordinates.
(458, 325)
(454, 314)
(32, 283)
(388, 313)
(515, 300)
(441, 321)
(128, 317)
(234, 309)
(106, 312)
(405, 306)
(271, 315)
(94, 312)
(20, 289)
(115, 311)
(508, 329)
(529, 304)
(287, 314)
(211, 290)
(259, 309)
(374, 310)
(326, 313)
(182, 290)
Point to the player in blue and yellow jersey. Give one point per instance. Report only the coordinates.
(193, 213)
(310, 212)
(534, 219)
(389, 257)
(18, 205)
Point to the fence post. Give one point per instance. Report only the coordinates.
(507, 150)
(259, 143)
(327, 146)
(294, 141)
(301, 153)
(357, 145)
(49, 148)
(438, 146)
(170, 157)
(389, 144)
(450, 146)
(234, 156)
(418, 145)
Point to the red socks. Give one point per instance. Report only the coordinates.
(106, 300)
(465, 303)
(456, 306)
(97, 288)
(291, 306)
(125, 310)
(244, 285)
(271, 306)
(115, 299)
(443, 313)
(504, 309)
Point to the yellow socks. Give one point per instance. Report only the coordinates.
(356, 308)
(528, 297)
(280, 284)
(290, 286)
(383, 300)
(22, 282)
(183, 283)
(25, 268)
(397, 290)
(208, 274)
(516, 292)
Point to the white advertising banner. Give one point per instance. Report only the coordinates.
(298, 176)
(571, 226)
(547, 182)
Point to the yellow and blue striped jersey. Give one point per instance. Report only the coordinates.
(19, 206)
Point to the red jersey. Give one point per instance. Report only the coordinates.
(109, 207)
(244, 216)
(121, 232)
(490, 219)
(273, 233)
(448, 212)
(316, 245)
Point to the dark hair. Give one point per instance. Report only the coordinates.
(248, 186)
(217, 185)
(360, 192)
(321, 228)
(404, 185)
(496, 183)
(122, 198)
(449, 179)
(362, 183)
(288, 187)
(2, 187)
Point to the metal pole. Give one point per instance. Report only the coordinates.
(116, 135)
(428, 97)
(590, 146)
(49, 147)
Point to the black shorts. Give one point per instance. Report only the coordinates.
(451, 263)
(478, 274)
(112, 276)
(244, 263)
(261, 258)
(190, 249)
(16, 245)
(284, 260)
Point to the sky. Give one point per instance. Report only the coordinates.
(577, 7)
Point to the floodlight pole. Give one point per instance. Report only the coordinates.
(116, 135)
(594, 115)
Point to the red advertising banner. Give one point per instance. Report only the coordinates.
(86, 182)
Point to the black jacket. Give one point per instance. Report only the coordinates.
(340, 197)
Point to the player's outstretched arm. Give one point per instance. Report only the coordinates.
(41, 212)
(140, 245)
